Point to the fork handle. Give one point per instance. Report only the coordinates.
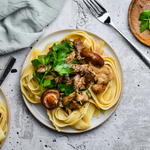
(142, 56)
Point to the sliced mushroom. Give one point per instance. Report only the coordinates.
(82, 97)
(94, 58)
(67, 99)
(49, 98)
(76, 105)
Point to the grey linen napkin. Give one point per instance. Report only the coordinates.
(23, 21)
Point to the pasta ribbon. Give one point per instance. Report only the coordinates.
(3, 121)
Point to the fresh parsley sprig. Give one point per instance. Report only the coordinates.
(145, 20)
(56, 58)
(40, 77)
(66, 88)
(59, 55)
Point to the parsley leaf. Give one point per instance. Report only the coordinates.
(49, 83)
(35, 63)
(62, 55)
(144, 25)
(145, 20)
(41, 61)
(47, 58)
(62, 68)
(55, 47)
(66, 88)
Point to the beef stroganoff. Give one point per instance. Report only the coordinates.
(74, 79)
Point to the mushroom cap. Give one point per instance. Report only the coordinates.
(93, 57)
(98, 88)
(49, 98)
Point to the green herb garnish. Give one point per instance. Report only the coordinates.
(62, 68)
(145, 20)
(66, 88)
(87, 92)
(49, 83)
(40, 77)
(59, 55)
(57, 59)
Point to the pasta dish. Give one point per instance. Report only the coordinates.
(3, 121)
(74, 79)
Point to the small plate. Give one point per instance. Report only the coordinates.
(40, 112)
(5, 101)
(135, 9)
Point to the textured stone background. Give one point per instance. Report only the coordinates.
(129, 126)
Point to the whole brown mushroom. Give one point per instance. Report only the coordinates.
(94, 58)
(98, 88)
(49, 98)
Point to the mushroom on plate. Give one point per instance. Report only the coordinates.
(49, 98)
(94, 58)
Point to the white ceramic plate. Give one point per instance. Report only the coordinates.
(40, 112)
(5, 101)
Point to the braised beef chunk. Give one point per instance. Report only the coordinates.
(67, 99)
(82, 69)
(75, 80)
(71, 57)
(42, 69)
(79, 48)
(67, 80)
(58, 79)
(78, 83)
(89, 78)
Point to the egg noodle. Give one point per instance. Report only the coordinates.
(77, 119)
(3, 121)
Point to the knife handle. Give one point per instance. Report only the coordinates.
(9, 65)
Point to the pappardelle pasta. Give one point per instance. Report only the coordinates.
(3, 121)
(74, 79)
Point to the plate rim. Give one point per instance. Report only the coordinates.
(8, 116)
(121, 76)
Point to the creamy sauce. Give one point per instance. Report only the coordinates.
(104, 54)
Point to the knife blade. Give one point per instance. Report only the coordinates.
(9, 65)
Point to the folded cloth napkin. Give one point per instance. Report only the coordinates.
(23, 21)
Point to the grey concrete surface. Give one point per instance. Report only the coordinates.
(129, 126)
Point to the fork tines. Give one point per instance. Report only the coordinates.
(95, 7)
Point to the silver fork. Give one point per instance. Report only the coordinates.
(103, 16)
